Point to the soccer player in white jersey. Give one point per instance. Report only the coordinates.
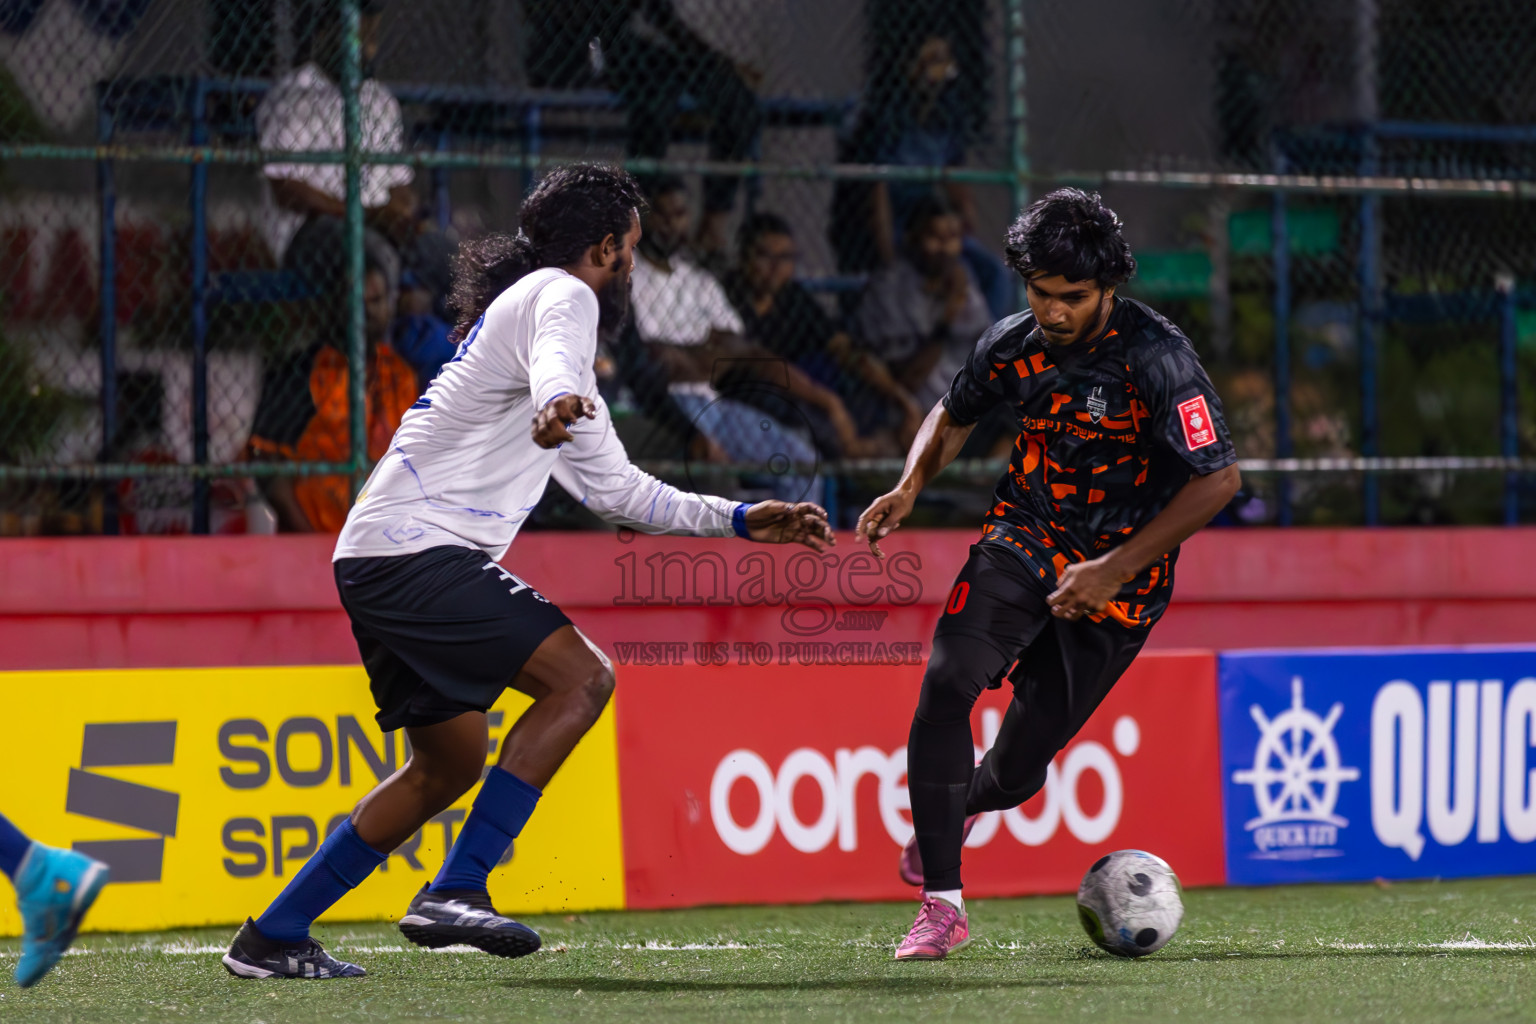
(442, 628)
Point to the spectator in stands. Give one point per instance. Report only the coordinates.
(416, 334)
(922, 119)
(690, 330)
(651, 57)
(923, 314)
(304, 415)
(423, 341)
(780, 315)
(306, 203)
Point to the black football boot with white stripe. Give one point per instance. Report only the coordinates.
(465, 917)
(253, 955)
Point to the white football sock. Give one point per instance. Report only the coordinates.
(950, 896)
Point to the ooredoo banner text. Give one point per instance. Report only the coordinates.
(758, 785)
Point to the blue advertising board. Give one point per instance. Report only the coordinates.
(1346, 765)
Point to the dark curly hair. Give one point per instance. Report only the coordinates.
(573, 208)
(1072, 233)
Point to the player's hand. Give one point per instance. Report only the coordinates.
(1085, 588)
(883, 516)
(780, 522)
(549, 425)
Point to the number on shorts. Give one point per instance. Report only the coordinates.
(957, 598)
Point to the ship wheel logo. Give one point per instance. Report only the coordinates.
(1296, 771)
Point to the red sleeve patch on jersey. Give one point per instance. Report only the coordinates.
(1195, 415)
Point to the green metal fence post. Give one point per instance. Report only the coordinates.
(1018, 111)
(351, 80)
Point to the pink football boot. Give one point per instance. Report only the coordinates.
(940, 929)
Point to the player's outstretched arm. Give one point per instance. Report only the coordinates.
(595, 470)
(937, 443)
(1086, 587)
(783, 522)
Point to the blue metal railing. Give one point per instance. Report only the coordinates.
(1358, 149)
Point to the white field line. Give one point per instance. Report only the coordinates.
(652, 946)
(667, 947)
(173, 949)
(1455, 944)
(656, 946)
(191, 949)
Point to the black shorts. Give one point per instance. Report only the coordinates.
(998, 600)
(441, 631)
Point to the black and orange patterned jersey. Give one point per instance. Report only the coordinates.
(1109, 432)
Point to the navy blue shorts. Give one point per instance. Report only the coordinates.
(441, 631)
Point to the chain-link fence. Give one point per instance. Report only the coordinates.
(225, 223)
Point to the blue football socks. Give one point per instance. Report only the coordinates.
(342, 862)
(13, 847)
(502, 807)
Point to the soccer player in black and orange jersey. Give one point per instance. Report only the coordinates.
(1122, 454)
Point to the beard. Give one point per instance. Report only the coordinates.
(613, 304)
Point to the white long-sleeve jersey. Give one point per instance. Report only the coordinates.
(463, 468)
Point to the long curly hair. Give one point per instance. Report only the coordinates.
(572, 209)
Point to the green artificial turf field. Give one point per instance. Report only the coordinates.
(1415, 951)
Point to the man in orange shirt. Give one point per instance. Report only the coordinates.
(304, 416)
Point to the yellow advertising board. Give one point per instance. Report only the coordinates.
(206, 789)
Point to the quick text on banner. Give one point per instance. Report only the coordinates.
(1444, 764)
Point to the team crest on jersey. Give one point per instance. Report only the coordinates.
(1196, 417)
(1097, 407)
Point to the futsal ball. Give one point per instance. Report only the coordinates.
(1130, 903)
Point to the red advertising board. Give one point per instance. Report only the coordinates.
(786, 783)
(158, 602)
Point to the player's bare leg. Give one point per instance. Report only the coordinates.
(446, 762)
(570, 681)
